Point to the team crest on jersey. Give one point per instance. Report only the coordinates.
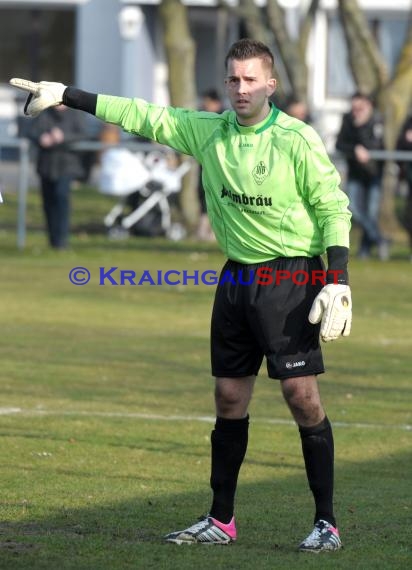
(260, 172)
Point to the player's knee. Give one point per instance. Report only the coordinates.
(227, 397)
(229, 401)
(306, 412)
(232, 396)
(304, 404)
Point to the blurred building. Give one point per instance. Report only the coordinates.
(115, 46)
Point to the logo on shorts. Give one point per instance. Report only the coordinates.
(290, 365)
(260, 172)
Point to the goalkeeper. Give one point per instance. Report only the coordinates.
(274, 201)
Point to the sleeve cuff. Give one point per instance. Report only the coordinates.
(78, 99)
(338, 257)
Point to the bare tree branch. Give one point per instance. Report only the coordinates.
(396, 98)
(366, 62)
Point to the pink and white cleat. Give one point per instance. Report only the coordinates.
(207, 531)
(324, 537)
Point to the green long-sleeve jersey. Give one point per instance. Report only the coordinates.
(271, 189)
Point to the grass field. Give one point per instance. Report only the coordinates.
(106, 411)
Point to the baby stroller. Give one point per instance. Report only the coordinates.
(144, 185)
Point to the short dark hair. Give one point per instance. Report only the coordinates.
(362, 95)
(213, 94)
(247, 48)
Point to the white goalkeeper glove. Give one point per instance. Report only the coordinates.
(333, 308)
(41, 95)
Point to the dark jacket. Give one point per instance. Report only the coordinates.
(59, 160)
(403, 144)
(369, 135)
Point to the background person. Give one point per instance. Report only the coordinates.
(57, 166)
(361, 131)
(405, 143)
(274, 201)
(298, 109)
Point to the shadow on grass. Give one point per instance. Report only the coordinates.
(373, 505)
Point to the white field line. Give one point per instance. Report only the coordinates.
(177, 418)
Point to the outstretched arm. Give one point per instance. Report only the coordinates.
(166, 125)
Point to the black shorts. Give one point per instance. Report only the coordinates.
(260, 312)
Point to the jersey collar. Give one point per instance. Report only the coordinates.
(259, 127)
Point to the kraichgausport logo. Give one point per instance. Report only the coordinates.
(263, 276)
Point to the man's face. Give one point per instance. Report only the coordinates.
(361, 110)
(212, 105)
(249, 85)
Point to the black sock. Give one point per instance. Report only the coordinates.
(229, 442)
(318, 453)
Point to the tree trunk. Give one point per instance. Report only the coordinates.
(367, 65)
(395, 102)
(180, 53)
(395, 99)
(180, 56)
(292, 58)
(388, 220)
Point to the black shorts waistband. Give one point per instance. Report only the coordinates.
(283, 261)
